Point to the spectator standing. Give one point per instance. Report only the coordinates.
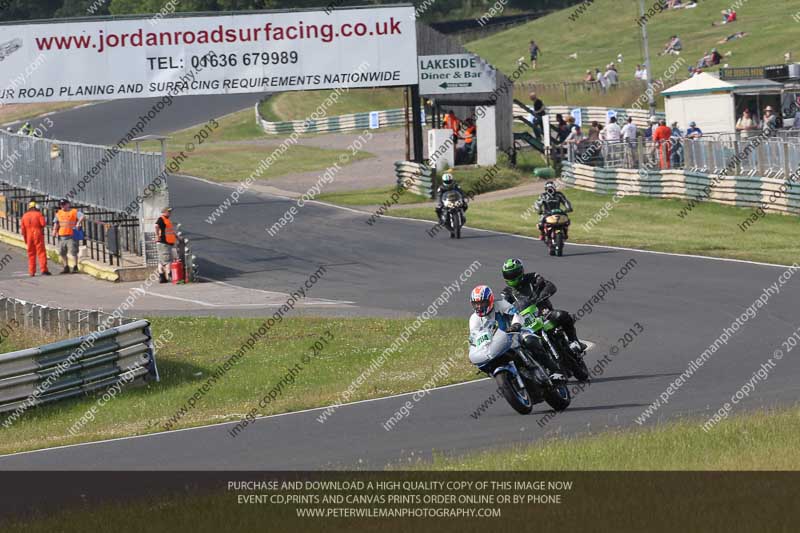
(648, 133)
(563, 128)
(452, 123)
(68, 219)
(601, 80)
(611, 76)
(575, 136)
(534, 49)
(693, 132)
(166, 238)
(539, 111)
(32, 227)
(676, 143)
(629, 137)
(796, 123)
(612, 132)
(770, 122)
(594, 131)
(661, 136)
(746, 124)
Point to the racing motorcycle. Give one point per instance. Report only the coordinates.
(521, 380)
(554, 339)
(453, 213)
(555, 231)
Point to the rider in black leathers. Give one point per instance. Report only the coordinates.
(449, 184)
(549, 201)
(532, 287)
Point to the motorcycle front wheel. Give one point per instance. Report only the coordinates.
(558, 397)
(517, 397)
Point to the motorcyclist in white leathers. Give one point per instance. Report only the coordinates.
(502, 315)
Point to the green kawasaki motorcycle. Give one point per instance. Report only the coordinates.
(554, 339)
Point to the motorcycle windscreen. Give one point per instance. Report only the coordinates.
(488, 346)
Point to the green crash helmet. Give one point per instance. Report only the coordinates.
(513, 272)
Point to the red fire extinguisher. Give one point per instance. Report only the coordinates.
(176, 268)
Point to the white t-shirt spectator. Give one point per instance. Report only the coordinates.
(629, 132)
(611, 132)
(611, 77)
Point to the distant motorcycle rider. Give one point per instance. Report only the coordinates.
(551, 200)
(448, 184)
(532, 286)
(506, 318)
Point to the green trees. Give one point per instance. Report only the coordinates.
(45, 9)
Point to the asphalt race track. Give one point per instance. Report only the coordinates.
(395, 268)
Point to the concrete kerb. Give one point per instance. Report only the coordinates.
(90, 267)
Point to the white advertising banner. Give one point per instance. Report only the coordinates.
(242, 53)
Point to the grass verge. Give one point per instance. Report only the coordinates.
(762, 440)
(236, 148)
(15, 112)
(301, 104)
(370, 197)
(650, 224)
(469, 178)
(200, 345)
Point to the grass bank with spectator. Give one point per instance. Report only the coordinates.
(235, 148)
(607, 28)
(196, 350)
(761, 440)
(711, 229)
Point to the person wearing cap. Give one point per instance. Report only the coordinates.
(32, 228)
(68, 219)
(648, 133)
(693, 132)
(166, 238)
(770, 122)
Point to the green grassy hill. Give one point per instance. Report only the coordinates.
(609, 27)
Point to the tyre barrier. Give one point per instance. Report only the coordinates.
(74, 367)
(416, 177)
(333, 124)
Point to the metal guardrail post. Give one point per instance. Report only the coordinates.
(787, 168)
(93, 321)
(27, 315)
(73, 322)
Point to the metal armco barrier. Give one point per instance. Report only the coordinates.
(417, 178)
(74, 367)
(355, 121)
